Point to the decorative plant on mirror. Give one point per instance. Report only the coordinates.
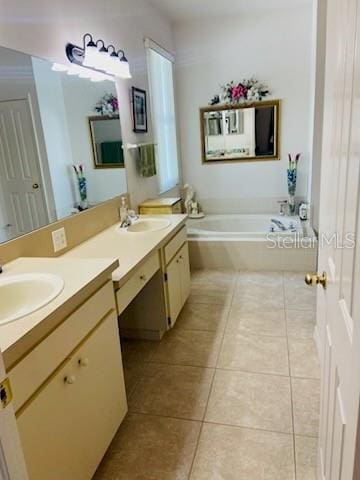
(291, 180)
(108, 105)
(81, 182)
(232, 93)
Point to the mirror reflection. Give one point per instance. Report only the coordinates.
(106, 141)
(47, 167)
(240, 132)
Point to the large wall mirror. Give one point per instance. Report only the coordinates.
(44, 132)
(240, 132)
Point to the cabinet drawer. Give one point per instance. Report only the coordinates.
(173, 246)
(67, 427)
(135, 284)
(27, 376)
(155, 210)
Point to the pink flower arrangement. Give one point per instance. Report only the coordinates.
(237, 92)
(246, 91)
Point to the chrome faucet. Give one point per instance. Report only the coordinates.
(126, 222)
(129, 218)
(278, 224)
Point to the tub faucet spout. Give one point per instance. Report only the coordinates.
(278, 224)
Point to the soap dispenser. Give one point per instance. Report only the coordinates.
(123, 209)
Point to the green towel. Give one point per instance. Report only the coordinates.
(112, 152)
(147, 160)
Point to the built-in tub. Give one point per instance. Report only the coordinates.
(239, 241)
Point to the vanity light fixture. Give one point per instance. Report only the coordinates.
(96, 56)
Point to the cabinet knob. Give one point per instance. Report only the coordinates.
(143, 277)
(69, 379)
(83, 362)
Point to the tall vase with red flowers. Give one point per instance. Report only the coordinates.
(291, 181)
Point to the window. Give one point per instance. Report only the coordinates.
(160, 68)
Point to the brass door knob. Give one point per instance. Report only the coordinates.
(313, 279)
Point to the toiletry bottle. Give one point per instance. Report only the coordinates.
(303, 211)
(123, 209)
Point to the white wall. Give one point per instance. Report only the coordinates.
(43, 28)
(276, 48)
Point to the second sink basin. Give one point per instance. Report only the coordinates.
(23, 294)
(148, 225)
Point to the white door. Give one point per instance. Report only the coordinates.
(20, 178)
(338, 320)
(12, 464)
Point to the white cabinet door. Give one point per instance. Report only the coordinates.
(174, 289)
(68, 425)
(184, 265)
(178, 282)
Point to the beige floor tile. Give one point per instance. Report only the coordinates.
(254, 353)
(174, 391)
(306, 458)
(306, 406)
(300, 297)
(135, 354)
(261, 322)
(251, 400)
(202, 316)
(300, 323)
(133, 372)
(139, 350)
(189, 347)
(259, 297)
(211, 294)
(150, 448)
(233, 453)
(213, 277)
(260, 279)
(304, 360)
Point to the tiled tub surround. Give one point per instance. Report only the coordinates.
(231, 392)
(244, 242)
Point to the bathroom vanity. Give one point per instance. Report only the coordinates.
(155, 259)
(65, 368)
(64, 360)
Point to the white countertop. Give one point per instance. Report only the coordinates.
(80, 276)
(110, 254)
(130, 248)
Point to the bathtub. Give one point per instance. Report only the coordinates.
(251, 242)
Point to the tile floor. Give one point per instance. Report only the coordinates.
(231, 393)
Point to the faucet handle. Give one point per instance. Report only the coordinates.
(282, 204)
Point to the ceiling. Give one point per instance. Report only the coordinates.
(182, 10)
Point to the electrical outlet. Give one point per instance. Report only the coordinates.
(59, 239)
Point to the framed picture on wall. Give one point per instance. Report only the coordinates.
(139, 110)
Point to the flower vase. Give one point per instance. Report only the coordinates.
(83, 193)
(291, 205)
(291, 179)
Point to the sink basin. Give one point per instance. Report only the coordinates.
(148, 225)
(23, 294)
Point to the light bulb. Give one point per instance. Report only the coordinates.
(90, 54)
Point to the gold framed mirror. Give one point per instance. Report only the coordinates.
(240, 132)
(106, 141)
